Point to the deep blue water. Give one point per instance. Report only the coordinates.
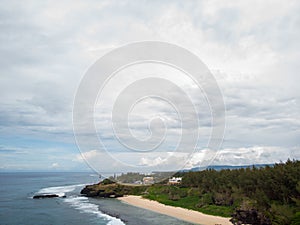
(17, 206)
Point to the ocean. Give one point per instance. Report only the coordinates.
(17, 207)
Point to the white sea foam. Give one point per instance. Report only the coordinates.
(80, 202)
(83, 204)
(60, 191)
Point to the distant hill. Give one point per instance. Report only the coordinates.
(225, 167)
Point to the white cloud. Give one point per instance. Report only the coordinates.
(253, 155)
(55, 165)
(230, 156)
(174, 161)
(251, 46)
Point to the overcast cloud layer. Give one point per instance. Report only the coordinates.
(251, 47)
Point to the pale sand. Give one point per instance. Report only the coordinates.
(177, 212)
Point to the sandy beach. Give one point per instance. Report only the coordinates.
(177, 212)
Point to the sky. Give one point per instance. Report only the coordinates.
(46, 47)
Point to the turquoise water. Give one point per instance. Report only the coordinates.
(18, 207)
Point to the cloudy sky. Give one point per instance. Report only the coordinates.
(251, 47)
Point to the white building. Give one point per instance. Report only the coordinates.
(175, 180)
(148, 180)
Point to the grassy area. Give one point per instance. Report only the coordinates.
(189, 202)
(224, 211)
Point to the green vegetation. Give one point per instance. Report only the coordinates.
(296, 219)
(182, 200)
(187, 198)
(267, 195)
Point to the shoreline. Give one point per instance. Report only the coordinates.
(176, 212)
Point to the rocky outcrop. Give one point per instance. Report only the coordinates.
(103, 189)
(45, 196)
(109, 189)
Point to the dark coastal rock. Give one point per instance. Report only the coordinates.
(110, 189)
(103, 189)
(90, 191)
(45, 196)
(251, 216)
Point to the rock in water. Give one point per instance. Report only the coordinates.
(46, 196)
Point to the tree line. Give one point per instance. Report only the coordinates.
(266, 195)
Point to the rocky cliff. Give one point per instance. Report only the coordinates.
(108, 189)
